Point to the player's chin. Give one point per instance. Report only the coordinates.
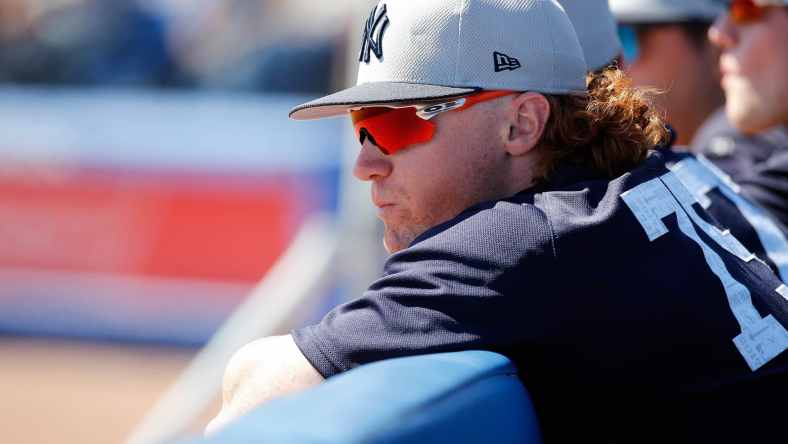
(392, 246)
(745, 113)
(394, 241)
(750, 120)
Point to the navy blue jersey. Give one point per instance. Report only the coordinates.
(613, 297)
(767, 184)
(729, 205)
(759, 163)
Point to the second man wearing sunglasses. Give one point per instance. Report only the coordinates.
(753, 37)
(530, 213)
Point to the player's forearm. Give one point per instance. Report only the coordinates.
(260, 371)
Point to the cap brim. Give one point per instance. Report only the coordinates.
(375, 94)
(634, 15)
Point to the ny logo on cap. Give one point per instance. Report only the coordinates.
(505, 63)
(372, 41)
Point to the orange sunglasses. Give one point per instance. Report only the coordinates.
(748, 11)
(394, 129)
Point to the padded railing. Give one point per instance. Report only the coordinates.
(453, 398)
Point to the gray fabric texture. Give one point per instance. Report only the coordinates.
(459, 44)
(666, 11)
(596, 29)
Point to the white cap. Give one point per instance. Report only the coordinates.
(596, 29)
(426, 50)
(666, 11)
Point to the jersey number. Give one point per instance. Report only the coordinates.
(761, 339)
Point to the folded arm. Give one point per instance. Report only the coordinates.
(260, 371)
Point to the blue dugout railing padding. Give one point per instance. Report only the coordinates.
(452, 398)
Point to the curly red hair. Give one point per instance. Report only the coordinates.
(610, 130)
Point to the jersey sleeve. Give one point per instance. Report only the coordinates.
(463, 285)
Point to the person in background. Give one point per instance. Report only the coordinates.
(666, 47)
(753, 37)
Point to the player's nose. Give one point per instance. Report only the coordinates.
(723, 32)
(371, 163)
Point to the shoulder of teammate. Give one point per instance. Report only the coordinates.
(735, 153)
(715, 126)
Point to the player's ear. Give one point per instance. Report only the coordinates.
(527, 117)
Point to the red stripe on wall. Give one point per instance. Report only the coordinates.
(146, 226)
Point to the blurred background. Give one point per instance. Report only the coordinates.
(149, 179)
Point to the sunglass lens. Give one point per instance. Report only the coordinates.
(391, 129)
(364, 134)
(744, 11)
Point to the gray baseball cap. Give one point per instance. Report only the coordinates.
(426, 50)
(666, 11)
(596, 28)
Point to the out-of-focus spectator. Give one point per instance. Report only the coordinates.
(84, 42)
(666, 47)
(251, 45)
(271, 45)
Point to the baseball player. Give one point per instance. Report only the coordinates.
(535, 214)
(753, 36)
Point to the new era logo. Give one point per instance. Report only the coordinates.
(505, 63)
